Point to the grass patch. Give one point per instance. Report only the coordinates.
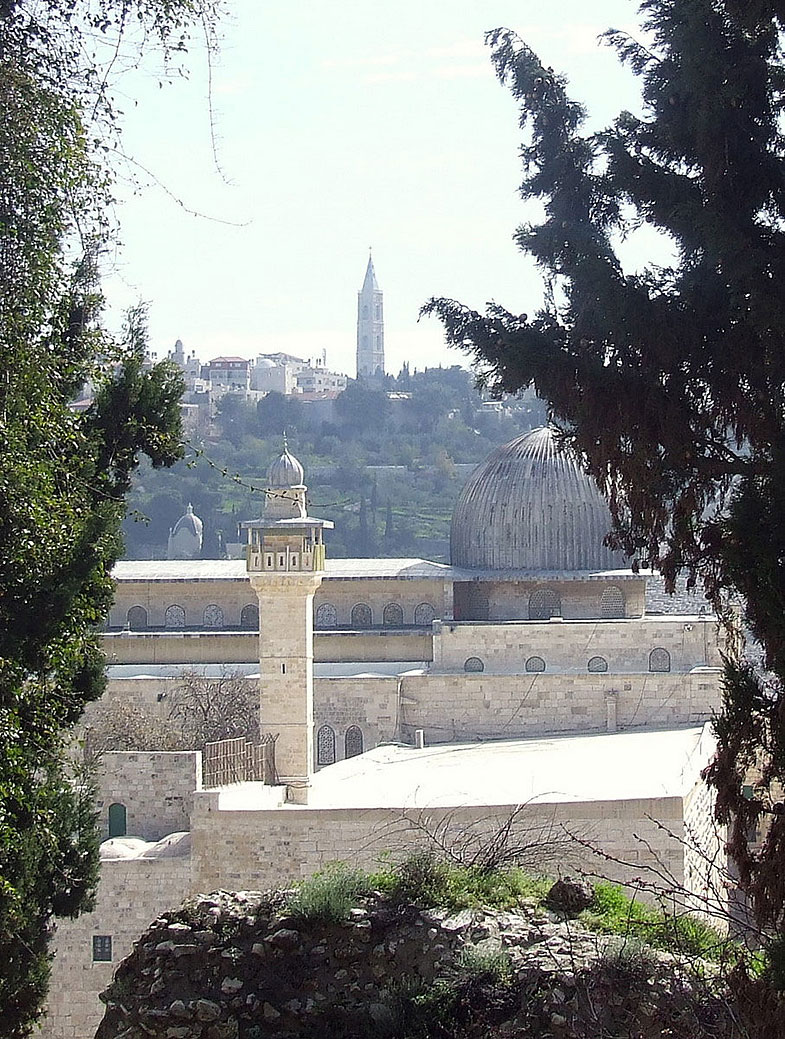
(614, 912)
(426, 880)
(330, 894)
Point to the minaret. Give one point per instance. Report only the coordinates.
(285, 562)
(370, 326)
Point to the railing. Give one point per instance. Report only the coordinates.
(238, 761)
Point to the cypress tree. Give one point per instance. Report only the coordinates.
(670, 381)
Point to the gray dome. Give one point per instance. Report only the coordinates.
(285, 471)
(530, 506)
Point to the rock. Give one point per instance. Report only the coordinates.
(230, 986)
(570, 896)
(206, 1011)
(179, 1009)
(284, 938)
(270, 1013)
(458, 922)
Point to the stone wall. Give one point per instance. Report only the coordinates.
(169, 647)
(242, 850)
(130, 896)
(460, 707)
(568, 646)
(369, 704)
(231, 595)
(156, 789)
(578, 599)
(344, 594)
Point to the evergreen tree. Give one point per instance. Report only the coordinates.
(670, 381)
(64, 473)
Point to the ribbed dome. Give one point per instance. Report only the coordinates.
(189, 522)
(285, 471)
(530, 506)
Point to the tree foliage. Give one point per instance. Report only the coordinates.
(669, 380)
(63, 472)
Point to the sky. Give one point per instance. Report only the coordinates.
(257, 185)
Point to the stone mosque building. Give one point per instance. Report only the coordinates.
(404, 696)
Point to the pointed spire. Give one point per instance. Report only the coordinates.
(370, 275)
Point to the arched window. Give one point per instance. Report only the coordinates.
(392, 616)
(136, 618)
(325, 746)
(544, 603)
(612, 603)
(659, 659)
(117, 820)
(535, 664)
(213, 616)
(249, 616)
(424, 614)
(353, 741)
(597, 665)
(174, 617)
(326, 616)
(479, 606)
(473, 664)
(361, 616)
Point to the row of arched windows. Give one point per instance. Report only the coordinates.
(362, 615)
(212, 617)
(659, 661)
(325, 744)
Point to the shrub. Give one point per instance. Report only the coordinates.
(614, 912)
(330, 894)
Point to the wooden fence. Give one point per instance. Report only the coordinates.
(238, 761)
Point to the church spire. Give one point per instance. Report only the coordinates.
(370, 326)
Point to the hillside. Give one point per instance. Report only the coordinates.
(386, 470)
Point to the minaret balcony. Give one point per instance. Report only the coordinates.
(286, 560)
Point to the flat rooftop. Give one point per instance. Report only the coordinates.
(548, 770)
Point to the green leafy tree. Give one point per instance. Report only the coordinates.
(669, 381)
(64, 472)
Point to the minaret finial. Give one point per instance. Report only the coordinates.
(285, 442)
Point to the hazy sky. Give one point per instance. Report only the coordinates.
(341, 125)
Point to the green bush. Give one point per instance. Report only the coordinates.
(329, 895)
(425, 879)
(614, 912)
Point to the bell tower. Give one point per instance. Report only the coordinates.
(370, 326)
(285, 563)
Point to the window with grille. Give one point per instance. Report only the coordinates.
(424, 614)
(102, 948)
(393, 615)
(213, 616)
(544, 603)
(535, 664)
(249, 616)
(325, 746)
(612, 603)
(174, 617)
(326, 615)
(597, 665)
(361, 616)
(659, 659)
(353, 741)
(473, 664)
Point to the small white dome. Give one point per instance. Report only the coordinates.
(189, 522)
